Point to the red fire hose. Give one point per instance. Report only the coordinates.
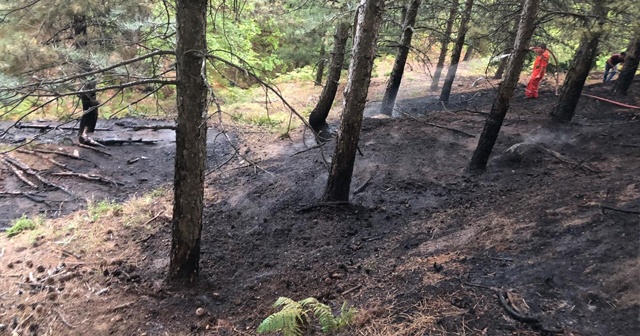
(612, 102)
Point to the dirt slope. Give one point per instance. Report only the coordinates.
(423, 248)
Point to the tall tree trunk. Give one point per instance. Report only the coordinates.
(318, 117)
(457, 51)
(510, 42)
(191, 139)
(321, 64)
(565, 107)
(369, 16)
(505, 91)
(625, 78)
(444, 43)
(401, 59)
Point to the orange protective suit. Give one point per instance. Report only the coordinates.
(539, 68)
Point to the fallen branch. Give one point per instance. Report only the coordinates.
(439, 126)
(633, 212)
(63, 319)
(613, 102)
(94, 148)
(351, 290)
(30, 196)
(19, 174)
(154, 218)
(363, 186)
(567, 160)
(46, 151)
(48, 127)
(116, 142)
(124, 305)
(90, 177)
(321, 205)
(154, 127)
(26, 151)
(35, 174)
(533, 321)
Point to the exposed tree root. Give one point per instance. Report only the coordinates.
(19, 174)
(35, 174)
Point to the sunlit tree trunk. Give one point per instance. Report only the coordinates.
(401, 59)
(318, 117)
(565, 107)
(505, 91)
(446, 37)
(369, 16)
(625, 78)
(457, 51)
(191, 137)
(511, 41)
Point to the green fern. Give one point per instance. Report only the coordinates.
(295, 314)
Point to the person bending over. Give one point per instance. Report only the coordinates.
(612, 65)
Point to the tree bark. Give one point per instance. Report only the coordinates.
(191, 137)
(468, 54)
(457, 51)
(318, 117)
(565, 107)
(321, 64)
(369, 16)
(444, 43)
(393, 85)
(505, 91)
(625, 78)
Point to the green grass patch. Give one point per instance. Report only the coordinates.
(23, 223)
(96, 210)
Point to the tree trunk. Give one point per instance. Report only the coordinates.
(369, 16)
(318, 117)
(444, 42)
(565, 107)
(630, 67)
(191, 137)
(457, 51)
(468, 54)
(401, 59)
(505, 91)
(321, 63)
(503, 62)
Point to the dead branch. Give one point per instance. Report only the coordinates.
(533, 321)
(48, 127)
(439, 126)
(30, 196)
(19, 174)
(154, 218)
(363, 186)
(633, 212)
(472, 111)
(566, 159)
(94, 149)
(322, 205)
(351, 289)
(116, 142)
(35, 174)
(90, 177)
(154, 127)
(26, 151)
(46, 151)
(124, 305)
(63, 319)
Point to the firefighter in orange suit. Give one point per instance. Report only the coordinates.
(539, 68)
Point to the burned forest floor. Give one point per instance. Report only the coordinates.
(423, 248)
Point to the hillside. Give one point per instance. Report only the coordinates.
(423, 248)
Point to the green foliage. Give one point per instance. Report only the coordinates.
(23, 224)
(294, 317)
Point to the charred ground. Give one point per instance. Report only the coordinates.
(423, 248)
